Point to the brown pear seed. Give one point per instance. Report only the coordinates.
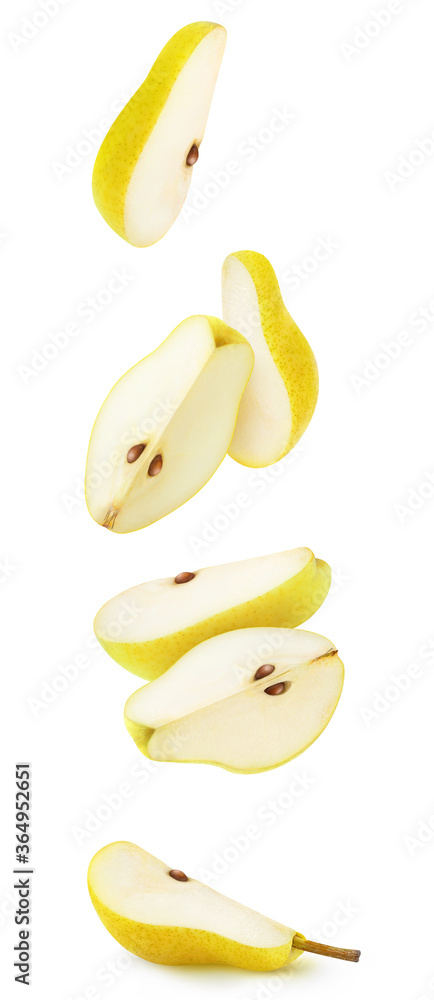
(184, 577)
(135, 452)
(279, 688)
(179, 876)
(264, 671)
(193, 156)
(155, 466)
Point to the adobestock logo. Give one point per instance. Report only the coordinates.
(159, 417)
(87, 311)
(174, 741)
(398, 685)
(373, 368)
(390, 351)
(65, 675)
(226, 6)
(256, 657)
(7, 569)
(89, 141)
(111, 802)
(128, 613)
(228, 513)
(339, 579)
(106, 975)
(265, 819)
(246, 153)
(409, 163)
(102, 471)
(416, 498)
(274, 984)
(429, 989)
(296, 274)
(31, 26)
(341, 916)
(365, 34)
(75, 499)
(423, 835)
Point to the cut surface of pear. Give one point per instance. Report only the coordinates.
(144, 166)
(160, 914)
(147, 628)
(180, 922)
(166, 425)
(247, 700)
(282, 392)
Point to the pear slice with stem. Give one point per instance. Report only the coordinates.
(144, 167)
(282, 392)
(247, 700)
(166, 425)
(163, 916)
(147, 628)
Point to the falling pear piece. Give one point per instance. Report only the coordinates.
(163, 916)
(166, 425)
(282, 392)
(144, 167)
(146, 629)
(219, 705)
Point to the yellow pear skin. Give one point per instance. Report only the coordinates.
(286, 606)
(126, 139)
(248, 701)
(186, 946)
(265, 312)
(170, 944)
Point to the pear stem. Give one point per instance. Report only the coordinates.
(110, 517)
(346, 954)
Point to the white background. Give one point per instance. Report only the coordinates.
(357, 491)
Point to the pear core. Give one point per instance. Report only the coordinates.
(201, 362)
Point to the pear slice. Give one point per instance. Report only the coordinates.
(247, 700)
(163, 916)
(282, 393)
(144, 167)
(146, 629)
(166, 425)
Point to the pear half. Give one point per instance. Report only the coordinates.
(147, 628)
(166, 425)
(160, 914)
(144, 166)
(282, 393)
(247, 700)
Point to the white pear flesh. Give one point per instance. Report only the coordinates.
(266, 410)
(173, 922)
(181, 403)
(210, 708)
(156, 191)
(141, 175)
(147, 628)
